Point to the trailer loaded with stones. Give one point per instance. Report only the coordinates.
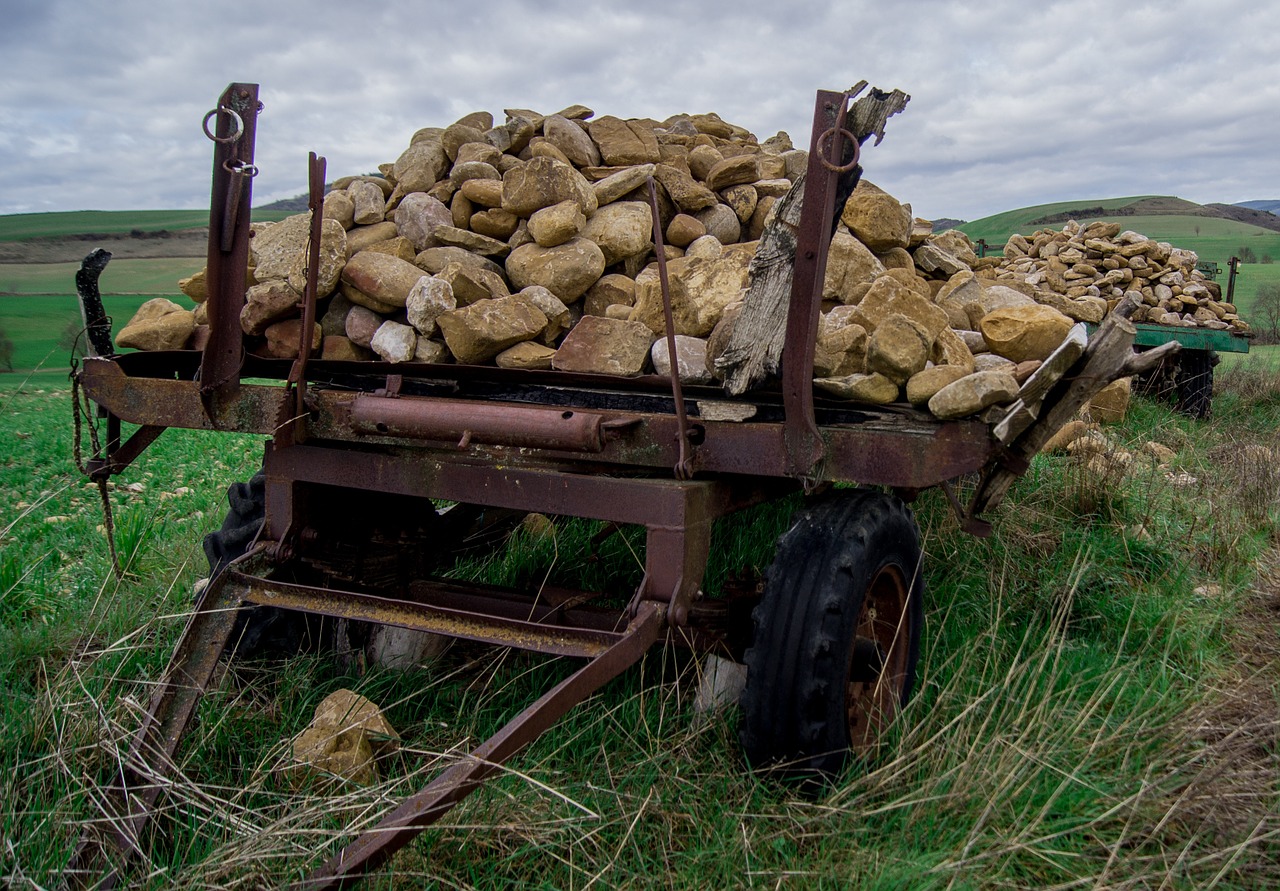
(648, 323)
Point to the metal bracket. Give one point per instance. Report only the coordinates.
(228, 252)
(970, 524)
(118, 458)
(684, 468)
(804, 444)
(298, 371)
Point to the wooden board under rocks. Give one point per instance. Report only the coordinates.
(755, 347)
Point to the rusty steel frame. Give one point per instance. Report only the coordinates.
(396, 829)
(902, 450)
(556, 639)
(677, 515)
(293, 428)
(803, 440)
(599, 457)
(228, 257)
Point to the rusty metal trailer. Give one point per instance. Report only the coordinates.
(641, 451)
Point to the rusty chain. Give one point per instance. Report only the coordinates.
(80, 412)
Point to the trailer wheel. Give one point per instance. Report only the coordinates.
(260, 630)
(836, 636)
(1195, 383)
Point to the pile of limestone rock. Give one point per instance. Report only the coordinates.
(530, 245)
(1084, 270)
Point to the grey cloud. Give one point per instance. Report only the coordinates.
(1014, 104)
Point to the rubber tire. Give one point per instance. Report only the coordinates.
(1195, 383)
(261, 631)
(246, 509)
(795, 706)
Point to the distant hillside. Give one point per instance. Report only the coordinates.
(296, 204)
(1163, 206)
(129, 234)
(1183, 218)
(997, 228)
(1272, 205)
(27, 226)
(1264, 218)
(1154, 206)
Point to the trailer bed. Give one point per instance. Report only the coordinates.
(530, 418)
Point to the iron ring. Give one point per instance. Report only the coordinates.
(821, 144)
(235, 117)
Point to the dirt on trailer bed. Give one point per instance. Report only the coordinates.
(138, 245)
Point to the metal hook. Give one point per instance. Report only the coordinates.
(236, 119)
(240, 168)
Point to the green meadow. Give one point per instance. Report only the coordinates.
(156, 277)
(39, 326)
(22, 226)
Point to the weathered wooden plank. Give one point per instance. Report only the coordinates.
(1023, 413)
(755, 346)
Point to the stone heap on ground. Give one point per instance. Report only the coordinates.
(1086, 269)
(529, 245)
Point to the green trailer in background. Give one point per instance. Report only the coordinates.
(1187, 377)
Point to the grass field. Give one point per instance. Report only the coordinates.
(20, 226)
(1252, 277)
(1263, 358)
(37, 300)
(38, 326)
(1096, 705)
(157, 277)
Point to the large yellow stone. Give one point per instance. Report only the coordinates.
(1111, 404)
(876, 218)
(924, 385)
(1024, 332)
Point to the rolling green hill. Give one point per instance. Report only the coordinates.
(23, 226)
(997, 228)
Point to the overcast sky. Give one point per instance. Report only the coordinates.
(1014, 102)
